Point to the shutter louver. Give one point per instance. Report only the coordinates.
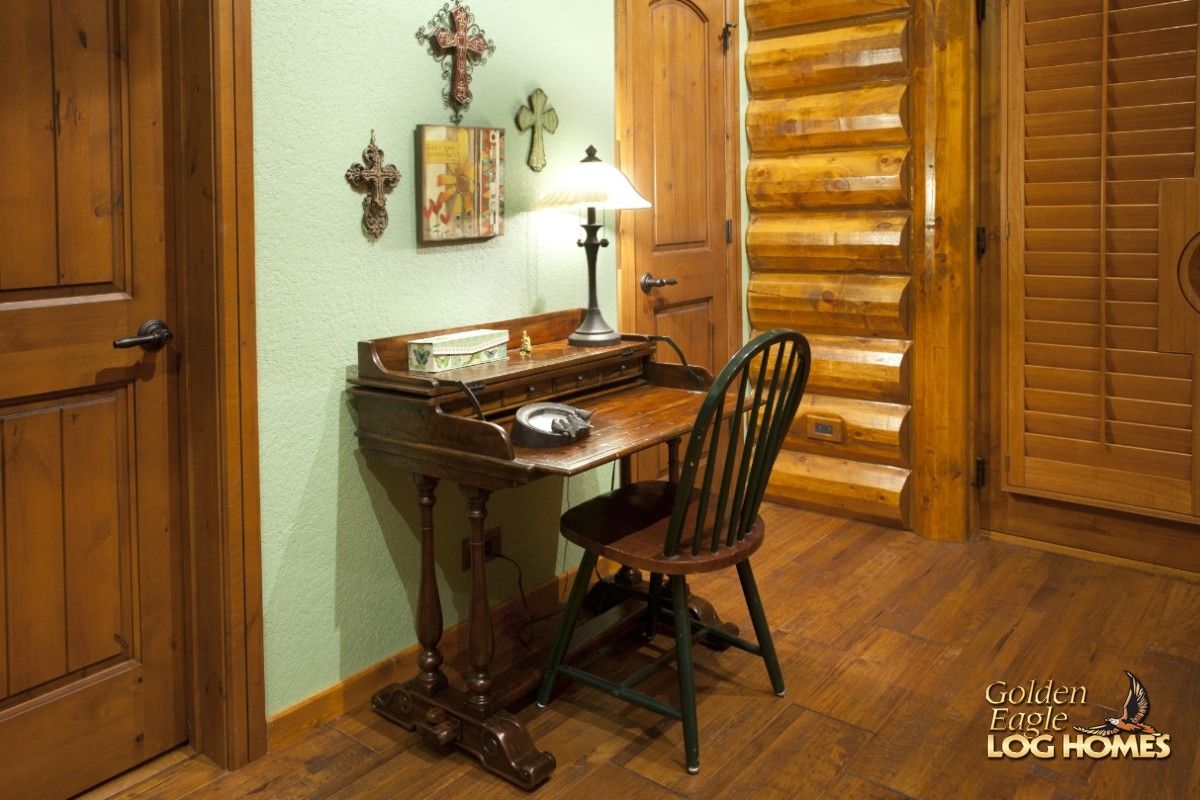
(1101, 106)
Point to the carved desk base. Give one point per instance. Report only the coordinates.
(474, 720)
(499, 741)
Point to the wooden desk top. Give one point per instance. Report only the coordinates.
(625, 422)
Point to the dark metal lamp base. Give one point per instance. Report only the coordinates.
(588, 339)
(593, 331)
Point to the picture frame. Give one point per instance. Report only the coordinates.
(460, 174)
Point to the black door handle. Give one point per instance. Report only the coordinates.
(153, 335)
(650, 282)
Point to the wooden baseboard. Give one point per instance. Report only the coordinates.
(296, 720)
(1090, 555)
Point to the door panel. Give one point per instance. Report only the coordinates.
(62, 200)
(90, 603)
(676, 100)
(63, 501)
(1100, 105)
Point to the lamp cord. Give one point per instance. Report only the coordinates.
(525, 633)
(466, 387)
(696, 376)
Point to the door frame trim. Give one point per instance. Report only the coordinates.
(627, 298)
(212, 242)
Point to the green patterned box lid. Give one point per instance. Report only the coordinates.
(454, 350)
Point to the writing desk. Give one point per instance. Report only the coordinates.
(455, 426)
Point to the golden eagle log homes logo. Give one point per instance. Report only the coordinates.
(1031, 719)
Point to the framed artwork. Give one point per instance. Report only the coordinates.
(461, 183)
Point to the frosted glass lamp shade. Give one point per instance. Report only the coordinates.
(591, 183)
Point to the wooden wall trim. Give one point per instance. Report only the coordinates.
(733, 142)
(944, 268)
(214, 227)
(296, 720)
(1096, 556)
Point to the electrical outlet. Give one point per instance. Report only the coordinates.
(491, 547)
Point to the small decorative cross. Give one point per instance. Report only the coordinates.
(453, 38)
(537, 116)
(463, 43)
(378, 178)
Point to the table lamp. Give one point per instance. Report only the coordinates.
(592, 184)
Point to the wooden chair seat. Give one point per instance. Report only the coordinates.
(629, 526)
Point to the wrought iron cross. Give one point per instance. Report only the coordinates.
(378, 178)
(463, 44)
(537, 116)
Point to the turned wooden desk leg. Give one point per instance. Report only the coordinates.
(429, 605)
(480, 644)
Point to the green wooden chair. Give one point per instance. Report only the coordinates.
(708, 521)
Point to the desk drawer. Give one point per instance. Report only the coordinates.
(577, 380)
(528, 393)
(615, 372)
(488, 403)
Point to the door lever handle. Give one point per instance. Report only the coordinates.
(649, 282)
(153, 335)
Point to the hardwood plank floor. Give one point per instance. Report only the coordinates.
(887, 642)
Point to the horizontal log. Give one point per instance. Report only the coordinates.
(874, 177)
(875, 492)
(850, 366)
(870, 431)
(851, 305)
(857, 54)
(767, 16)
(849, 241)
(859, 117)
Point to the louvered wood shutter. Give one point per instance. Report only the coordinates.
(1100, 105)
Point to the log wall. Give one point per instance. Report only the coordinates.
(842, 244)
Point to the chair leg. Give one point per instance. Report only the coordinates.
(761, 629)
(567, 626)
(656, 581)
(687, 677)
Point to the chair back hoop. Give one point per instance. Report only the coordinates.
(761, 387)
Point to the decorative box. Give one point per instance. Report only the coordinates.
(454, 350)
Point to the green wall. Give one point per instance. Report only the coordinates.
(339, 548)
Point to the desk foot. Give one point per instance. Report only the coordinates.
(703, 611)
(606, 594)
(498, 741)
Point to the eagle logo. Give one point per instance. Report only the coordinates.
(1137, 708)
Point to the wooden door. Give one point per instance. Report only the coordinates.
(90, 652)
(1099, 99)
(677, 101)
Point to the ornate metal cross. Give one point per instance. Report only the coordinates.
(464, 44)
(378, 178)
(537, 116)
